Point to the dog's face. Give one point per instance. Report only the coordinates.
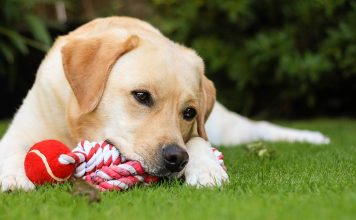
(148, 99)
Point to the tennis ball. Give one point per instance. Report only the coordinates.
(42, 165)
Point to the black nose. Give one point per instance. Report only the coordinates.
(175, 158)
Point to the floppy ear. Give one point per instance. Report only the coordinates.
(207, 102)
(87, 64)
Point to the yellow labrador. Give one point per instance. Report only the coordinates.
(119, 79)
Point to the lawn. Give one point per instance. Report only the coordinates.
(303, 181)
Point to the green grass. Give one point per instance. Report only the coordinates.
(304, 181)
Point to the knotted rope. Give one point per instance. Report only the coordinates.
(102, 165)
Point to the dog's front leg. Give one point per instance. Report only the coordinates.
(12, 172)
(203, 168)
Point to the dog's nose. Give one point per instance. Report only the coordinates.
(175, 158)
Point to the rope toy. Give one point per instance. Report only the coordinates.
(99, 163)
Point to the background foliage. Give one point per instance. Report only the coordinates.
(268, 58)
(20, 28)
(24, 39)
(271, 57)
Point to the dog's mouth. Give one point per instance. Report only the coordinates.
(157, 170)
(153, 170)
(163, 173)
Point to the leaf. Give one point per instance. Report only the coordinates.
(7, 52)
(16, 39)
(261, 150)
(38, 29)
(82, 188)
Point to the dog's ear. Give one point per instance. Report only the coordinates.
(87, 64)
(207, 101)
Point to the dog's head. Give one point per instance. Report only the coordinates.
(148, 98)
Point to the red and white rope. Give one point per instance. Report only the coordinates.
(219, 156)
(101, 164)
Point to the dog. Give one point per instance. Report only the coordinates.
(119, 79)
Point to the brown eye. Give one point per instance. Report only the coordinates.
(143, 97)
(189, 113)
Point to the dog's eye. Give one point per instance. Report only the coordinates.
(143, 97)
(189, 113)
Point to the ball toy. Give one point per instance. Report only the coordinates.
(42, 165)
(99, 163)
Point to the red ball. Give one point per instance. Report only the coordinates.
(42, 165)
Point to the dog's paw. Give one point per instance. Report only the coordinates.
(203, 168)
(205, 173)
(11, 182)
(12, 170)
(314, 137)
(270, 132)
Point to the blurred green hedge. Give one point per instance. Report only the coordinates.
(268, 58)
(271, 57)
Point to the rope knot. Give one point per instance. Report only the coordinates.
(102, 165)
